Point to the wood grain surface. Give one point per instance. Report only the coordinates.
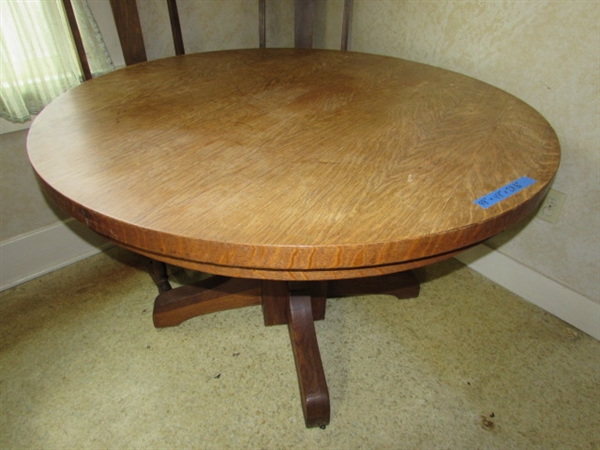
(290, 163)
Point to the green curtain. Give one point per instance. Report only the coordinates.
(38, 60)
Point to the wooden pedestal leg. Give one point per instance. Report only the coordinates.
(296, 309)
(213, 294)
(311, 376)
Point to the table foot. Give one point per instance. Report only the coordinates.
(217, 293)
(298, 305)
(309, 367)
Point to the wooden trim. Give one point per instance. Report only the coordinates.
(78, 41)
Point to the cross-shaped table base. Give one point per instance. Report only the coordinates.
(297, 304)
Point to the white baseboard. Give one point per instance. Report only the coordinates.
(30, 255)
(566, 304)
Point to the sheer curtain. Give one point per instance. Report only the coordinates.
(38, 60)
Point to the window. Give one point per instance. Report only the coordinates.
(38, 60)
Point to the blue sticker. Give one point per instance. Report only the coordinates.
(504, 192)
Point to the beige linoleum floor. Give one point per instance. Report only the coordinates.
(466, 365)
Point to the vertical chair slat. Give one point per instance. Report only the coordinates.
(129, 30)
(304, 23)
(83, 62)
(346, 23)
(175, 27)
(262, 24)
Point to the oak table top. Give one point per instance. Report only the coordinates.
(291, 164)
(282, 167)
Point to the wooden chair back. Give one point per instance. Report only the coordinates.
(129, 28)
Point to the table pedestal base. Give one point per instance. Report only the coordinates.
(297, 304)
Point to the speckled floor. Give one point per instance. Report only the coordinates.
(466, 365)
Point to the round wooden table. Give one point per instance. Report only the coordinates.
(302, 174)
